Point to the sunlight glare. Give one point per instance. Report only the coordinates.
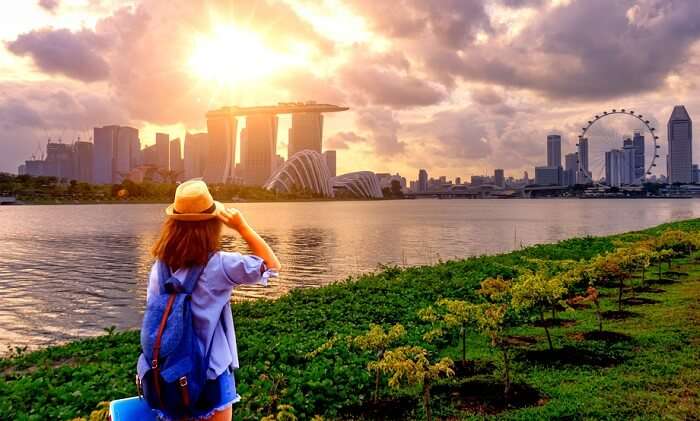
(231, 56)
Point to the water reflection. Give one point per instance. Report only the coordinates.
(70, 271)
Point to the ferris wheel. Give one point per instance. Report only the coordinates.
(610, 131)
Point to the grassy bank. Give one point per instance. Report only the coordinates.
(646, 364)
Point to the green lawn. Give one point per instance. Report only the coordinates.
(651, 370)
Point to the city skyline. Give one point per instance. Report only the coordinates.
(421, 95)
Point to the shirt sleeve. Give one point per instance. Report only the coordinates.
(242, 269)
(153, 288)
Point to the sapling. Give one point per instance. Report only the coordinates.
(492, 320)
(451, 314)
(535, 291)
(592, 296)
(410, 365)
(377, 340)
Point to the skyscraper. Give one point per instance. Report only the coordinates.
(627, 166)
(260, 148)
(680, 146)
(639, 158)
(126, 152)
(422, 181)
(82, 161)
(103, 153)
(498, 178)
(149, 156)
(306, 133)
(196, 148)
(583, 175)
(570, 169)
(163, 151)
(554, 150)
(613, 167)
(222, 130)
(176, 163)
(330, 162)
(59, 161)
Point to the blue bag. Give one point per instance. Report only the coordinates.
(178, 371)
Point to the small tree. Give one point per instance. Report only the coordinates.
(592, 296)
(679, 243)
(411, 365)
(451, 314)
(536, 291)
(613, 266)
(378, 341)
(492, 320)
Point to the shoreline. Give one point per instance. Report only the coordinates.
(274, 336)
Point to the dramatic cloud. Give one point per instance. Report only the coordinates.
(382, 126)
(50, 5)
(73, 54)
(342, 140)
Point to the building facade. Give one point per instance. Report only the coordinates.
(548, 176)
(583, 173)
(82, 161)
(163, 151)
(422, 181)
(177, 165)
(222, 130)
(498, 178)
(260, 148)
(195, 159)
(680, 146)
(554, 150)
(306, 133)
(331, 162)
(104, 139)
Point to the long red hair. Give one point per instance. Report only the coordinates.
(187, 243)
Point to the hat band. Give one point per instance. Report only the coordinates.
(210, 209)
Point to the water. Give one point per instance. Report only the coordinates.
(70, 271)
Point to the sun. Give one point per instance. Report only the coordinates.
(234, 56)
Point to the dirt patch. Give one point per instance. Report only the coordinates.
(486, 397)
(649, 290)
(610, 337)
(398, 408)
(676, 274)
(663, 281)
(638, 301)
(523, 341)
(576, 336)
(619, 315)
(573, 356)
(555, 323)
(473, 368)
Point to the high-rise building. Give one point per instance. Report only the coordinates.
(554, 150)
(330, 162)
(498, 178)
(306, 133)
(104, 139)
(613, 167)
(583, 175)
(548, 176)
(222, 130)
(570, 169)
(260, 148)
(176, 163)
(680, 146)
(127, 150)
(82, 161)
(163, 151)
(458, 180)
(150, 156)
(639, 157)
(196, 148)
(627, 166)
(422, 181)
(59, 161)
(696, 173)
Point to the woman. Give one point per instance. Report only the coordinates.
(190, 238)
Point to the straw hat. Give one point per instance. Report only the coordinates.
(193, 202)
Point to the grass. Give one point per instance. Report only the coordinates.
(648, 368)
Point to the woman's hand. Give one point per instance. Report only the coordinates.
(233, 218)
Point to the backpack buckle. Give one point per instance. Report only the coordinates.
(154, 364)
(139, 387)
(183, 381)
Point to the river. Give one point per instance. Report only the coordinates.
(70, 271)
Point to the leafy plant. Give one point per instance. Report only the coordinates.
(410, 365)
(450, 314)
(535, 291)
(378, 340)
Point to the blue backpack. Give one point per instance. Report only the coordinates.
(179, 366)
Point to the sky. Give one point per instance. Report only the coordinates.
(458, 87)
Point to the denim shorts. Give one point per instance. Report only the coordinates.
(218, 394)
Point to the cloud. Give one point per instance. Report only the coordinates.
(382, 126)
(16, 114)
(77, 55)
(343, 140)
(49, 5)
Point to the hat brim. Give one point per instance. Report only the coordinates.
(170, 213)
